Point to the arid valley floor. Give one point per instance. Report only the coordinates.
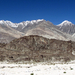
(37, 69)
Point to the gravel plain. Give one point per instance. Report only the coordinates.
(37, 69)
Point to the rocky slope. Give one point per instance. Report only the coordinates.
(37, 48)
(7, 34)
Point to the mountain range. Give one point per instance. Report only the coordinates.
(9, 31)
(37, 40)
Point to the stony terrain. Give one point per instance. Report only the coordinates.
(37, 69)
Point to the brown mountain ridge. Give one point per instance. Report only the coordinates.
(37, 49)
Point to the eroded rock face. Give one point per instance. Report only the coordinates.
(38, 48)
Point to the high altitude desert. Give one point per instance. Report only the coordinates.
(37, 47)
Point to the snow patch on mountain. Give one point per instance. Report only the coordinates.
(8, 23)
(1, 22)
(66, 23)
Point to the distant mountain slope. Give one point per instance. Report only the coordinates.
(37, 48)
(10, 31)
(5, 37)
(36, 27)
(7, 34)
(67, 27)
(48, 30)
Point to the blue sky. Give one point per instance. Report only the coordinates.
(54, 11)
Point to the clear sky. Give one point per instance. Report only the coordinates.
(54, 11)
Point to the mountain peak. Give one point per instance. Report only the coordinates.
(66, 23)
(1, 21)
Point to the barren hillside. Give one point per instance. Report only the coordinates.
(37, 48)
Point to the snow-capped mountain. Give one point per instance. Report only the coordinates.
(67, 27)
(9, 23)
(39, 27)
(23, 24)
(10, 30)
(66, 23)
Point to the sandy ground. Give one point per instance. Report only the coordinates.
(37, 69)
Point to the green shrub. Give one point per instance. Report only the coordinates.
(71, 68)
(64, 72)
(32, 74)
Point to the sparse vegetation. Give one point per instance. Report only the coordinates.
(32, 74)
(71, 68)
(64, 72)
